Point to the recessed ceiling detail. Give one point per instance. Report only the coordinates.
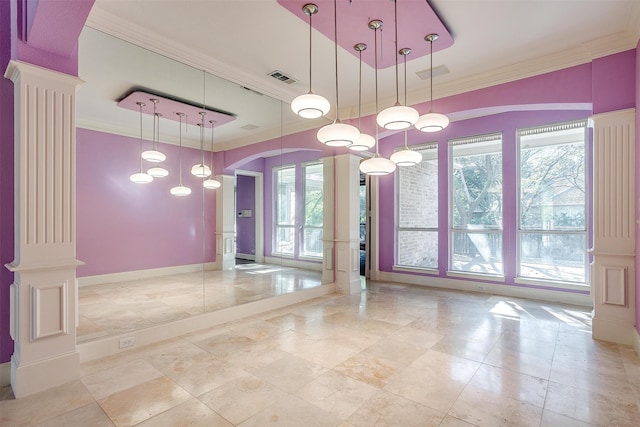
(168, 108)
(416, 19)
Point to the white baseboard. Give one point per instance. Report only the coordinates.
(107, 346)
(143, 274)
(636, 342)
(296, 263)
(612, 330)
(488, 288)
(248, 257)
(5, 374)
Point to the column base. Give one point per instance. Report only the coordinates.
(612, 330)
(39, 376)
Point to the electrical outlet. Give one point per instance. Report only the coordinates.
(127, 342)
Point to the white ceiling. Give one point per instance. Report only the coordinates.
(243, 40)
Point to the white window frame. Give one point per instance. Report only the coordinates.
(276, 225)
(519, 231)
(304, 226)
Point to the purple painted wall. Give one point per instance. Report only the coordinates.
(637, 92)
(122, 226)
(6, 179)
(613, 80)
(246, 226)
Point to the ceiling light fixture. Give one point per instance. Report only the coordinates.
(154, 155)
(365, 141)
(432, 122)
(310, 105)
(377, 165)
(211, 183)
(405, 157)
(157, 171)
(337, 134)
(180, 190)
(201, 170)
(398, 116)
(141, 177)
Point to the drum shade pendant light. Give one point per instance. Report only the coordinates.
(180, 190)
(365, 141)
(211, 183)
(405, 157)
(141, 177)
(157, 171)
(377, 165)
(398, 116)
(154, 155)
(432, 122)
(310, 105)
(201, 170)
(337, 134)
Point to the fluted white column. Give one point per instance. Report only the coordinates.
(347, 229)
(225, 223)
(43, 295)
(328, 208)
(613, 266)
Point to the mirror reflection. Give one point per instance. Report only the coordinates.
(153, 257)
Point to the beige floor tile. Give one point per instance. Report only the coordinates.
(401, 352)
(524, 388)
(121, 377)
(484, 408)
(45, 405)
(337, 393)
(290, 373)
(592, 407)
(450, 421)
(552, 419)
(88, 415)
(139, 403)
(291, 411)
(388, 409)
(519, 362)
(241, 399)
(224, 344)
(192, 413)
(370, 369)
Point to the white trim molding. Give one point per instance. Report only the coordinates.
(126, 276)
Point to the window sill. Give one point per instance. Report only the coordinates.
(553, 284)
(476, 276)
(424, 270)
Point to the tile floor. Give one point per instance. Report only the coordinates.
(393, 356)
(115, 308)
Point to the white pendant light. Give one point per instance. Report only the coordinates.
(405, 157)
(337, 134)
(211, 183)
(377, 165)
(365, 141)
(154, 155)
(398, 116)
(141, 177)
(310, 105)
(201, 170)
(432, 122)
(158, 172)
(180, 190)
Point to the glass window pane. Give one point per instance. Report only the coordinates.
(477, 252)
(285, 242)
(477, 186)
(313, 186)
(312, 246)
(418, 249)
(552, 187)
(286, 196)
(559, 257)
(418, 195)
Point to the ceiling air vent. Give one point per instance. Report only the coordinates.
(249, 127)
(282, 77)
(438, 71)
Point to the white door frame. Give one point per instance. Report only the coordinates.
(259, 210)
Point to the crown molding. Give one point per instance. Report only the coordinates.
(123, 29)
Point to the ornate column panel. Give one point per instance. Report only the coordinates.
(43, 296)
(612, 269)
(347, 232)
(225, 223)
(328, 220)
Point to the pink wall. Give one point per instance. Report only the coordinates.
(122, 226)
(637, 93)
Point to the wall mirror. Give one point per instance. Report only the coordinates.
(151, 257)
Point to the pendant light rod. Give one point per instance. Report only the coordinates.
(180, 116)
(395, 14)
(375, 25)
(213, 123)
(140, 104)
(404, 52)
(431, 38)
(360, 47)
(310, 9)
(335, 44)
